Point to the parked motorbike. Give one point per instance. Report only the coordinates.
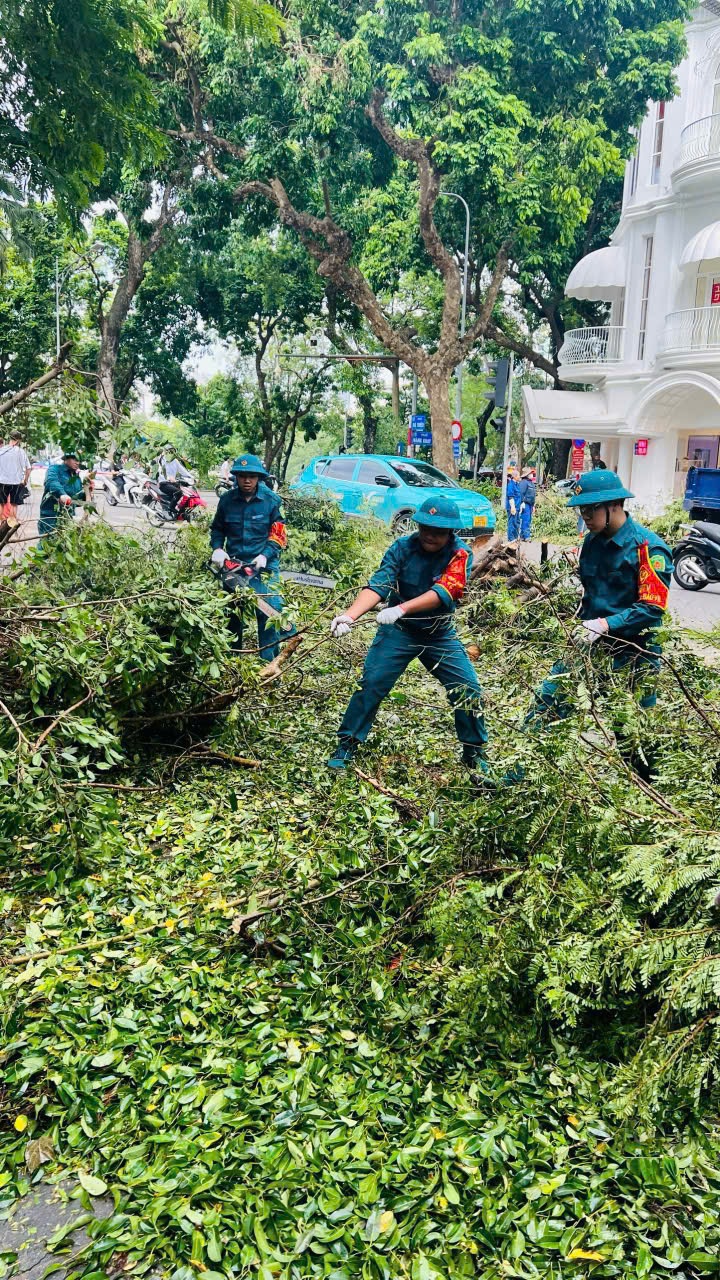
(697, 558)
(159, 509)
(131, 493)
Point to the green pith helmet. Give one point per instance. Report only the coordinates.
(248, 464)
(597, 488)
(439, 513)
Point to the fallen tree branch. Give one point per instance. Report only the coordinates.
(18, 397)
(408, 807)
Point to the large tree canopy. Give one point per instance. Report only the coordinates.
(354, 126)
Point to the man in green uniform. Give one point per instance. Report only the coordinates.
(625, 571)
(247, 535)
(63, 488)
(421, 580)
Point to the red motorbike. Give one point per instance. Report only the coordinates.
(159, 507)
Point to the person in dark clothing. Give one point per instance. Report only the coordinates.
(247, 536)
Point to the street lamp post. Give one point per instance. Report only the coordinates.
(459, 371)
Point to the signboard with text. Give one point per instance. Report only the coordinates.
(419, 433)
(577, 457)
(641, 448)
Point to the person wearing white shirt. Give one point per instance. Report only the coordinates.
(173, 473)
(14, 475)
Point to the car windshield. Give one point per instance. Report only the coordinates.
(420, 475)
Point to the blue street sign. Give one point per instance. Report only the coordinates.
(456, 448)
(419, 433)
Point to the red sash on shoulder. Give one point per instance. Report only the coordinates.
(652, 589)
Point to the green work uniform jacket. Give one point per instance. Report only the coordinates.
(626, 580)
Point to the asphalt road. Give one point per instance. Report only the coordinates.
(696, 610)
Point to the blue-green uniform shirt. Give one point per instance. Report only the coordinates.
(59, 480)
(250, 528)
(626, 580)
(406, 571)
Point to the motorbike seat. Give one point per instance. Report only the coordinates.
(711, 531)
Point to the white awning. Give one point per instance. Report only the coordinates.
(703, 247)
(599, 276)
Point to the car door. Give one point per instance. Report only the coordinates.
(335, 478)
(371, 496)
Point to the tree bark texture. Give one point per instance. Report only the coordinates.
(111, 321)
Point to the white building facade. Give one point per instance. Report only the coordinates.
(653, 372)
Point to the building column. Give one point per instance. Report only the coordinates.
(625, 459)
(652, 476)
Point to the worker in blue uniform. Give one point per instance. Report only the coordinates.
(420, 581)
(63, 488)
(527, 490)
(512, 504)
(625, 571)
(247, 536)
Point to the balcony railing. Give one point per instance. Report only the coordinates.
(697, 329)
(699, 140)
(592, 346)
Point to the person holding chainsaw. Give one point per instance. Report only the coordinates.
(420, 581)
(247, 536)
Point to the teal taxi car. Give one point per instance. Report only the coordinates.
(390, 488)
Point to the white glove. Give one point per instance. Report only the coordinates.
(65, 500)
(260, 562)
(219, 556)
(341, 625)
(387, 617)
(591, 631)
(513, 508)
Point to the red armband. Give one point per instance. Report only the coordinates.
(454, 579)
(278, 534)
(651, 588)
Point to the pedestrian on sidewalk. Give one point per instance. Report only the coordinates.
(14, 476)
(528, 495)
(512, 504)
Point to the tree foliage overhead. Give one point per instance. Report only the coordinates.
(75, 94)
(524, 109)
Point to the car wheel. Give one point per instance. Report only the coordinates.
(403, 524)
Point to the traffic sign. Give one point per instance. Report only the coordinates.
(419, 433)
(456, 430)
(456, 448)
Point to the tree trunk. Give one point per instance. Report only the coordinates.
(369, 422)
(438, 393)
(559, 460)
(395, 391)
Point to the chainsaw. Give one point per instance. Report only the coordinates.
(235, 569)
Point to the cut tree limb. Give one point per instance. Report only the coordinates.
(55, 369)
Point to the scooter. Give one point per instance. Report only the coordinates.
(223, 486)
(697, 558)
(131, 494)
(160, 511)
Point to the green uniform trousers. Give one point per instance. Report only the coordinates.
(442, 654)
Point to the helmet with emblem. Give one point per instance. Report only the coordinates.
(248, 464)
(439, 513)
(597, 489)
